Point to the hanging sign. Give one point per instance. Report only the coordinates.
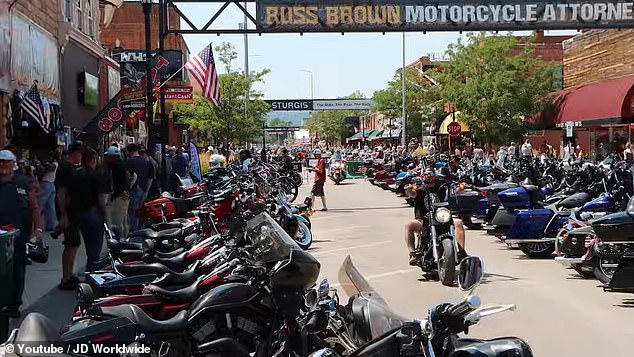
(439, 15)
(570, 129)
(179, 94)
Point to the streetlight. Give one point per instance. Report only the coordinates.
(147, 11)
(403, 112)
(312, 87)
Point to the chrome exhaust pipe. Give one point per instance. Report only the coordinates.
(520, 241)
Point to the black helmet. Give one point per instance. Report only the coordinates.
(37, 252)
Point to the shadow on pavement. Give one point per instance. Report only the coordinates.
(365, 209)
(493, 277)
(627, 303)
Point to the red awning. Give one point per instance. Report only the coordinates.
(605, 102)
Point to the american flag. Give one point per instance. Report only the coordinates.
(33, 107)
(203, 68)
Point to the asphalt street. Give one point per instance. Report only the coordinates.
(558, 313)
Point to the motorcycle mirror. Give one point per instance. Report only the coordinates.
(310, 299)
(470, 273)
(324, 289)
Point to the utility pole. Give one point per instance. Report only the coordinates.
(149, 121)
(403, 119)
(246, 65)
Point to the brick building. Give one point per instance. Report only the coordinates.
(598, 95)
(56, 43)
(126, 32)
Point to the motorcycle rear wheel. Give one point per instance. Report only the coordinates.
(586, 274)
(538, 250)
(601, 272)
(447, 262)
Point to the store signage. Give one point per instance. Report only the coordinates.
(173, 70)
(179, 94)
(281, 130)
(569, 129)
(320, 104)
(290, 104)
(439, 15)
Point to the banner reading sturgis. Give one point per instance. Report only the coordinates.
(439, 15)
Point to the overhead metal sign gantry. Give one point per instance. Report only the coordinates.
(299, 16)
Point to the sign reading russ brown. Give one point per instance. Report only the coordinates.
(439, 15)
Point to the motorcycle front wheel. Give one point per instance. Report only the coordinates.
(303, 237)
(290, 189)
(447, 262)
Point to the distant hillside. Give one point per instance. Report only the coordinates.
(294, 117)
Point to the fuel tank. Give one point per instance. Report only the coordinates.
(575, 200)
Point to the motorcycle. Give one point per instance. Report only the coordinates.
(337, 171)
(366, 326)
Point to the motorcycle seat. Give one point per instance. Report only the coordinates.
(185, 295)
(116, 246)
(37, 328)
(177, 262)
(142, 269)
(147, 324)
(128, 255)
(174, 223)
(149, 248)
(172, 233)
(185, 278)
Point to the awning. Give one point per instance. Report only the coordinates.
(360, 135)
(442, 129)
(605, 102)
(375, 134)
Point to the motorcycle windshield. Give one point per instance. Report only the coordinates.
(377, 314)
(270, 243)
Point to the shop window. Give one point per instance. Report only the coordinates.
(68, 10)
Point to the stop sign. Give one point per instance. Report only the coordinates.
(454, 129)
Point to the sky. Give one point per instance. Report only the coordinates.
(339, 64)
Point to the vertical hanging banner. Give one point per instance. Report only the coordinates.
(440, 15)
(133, 85)
(193, 154)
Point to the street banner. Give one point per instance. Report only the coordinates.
(342, 104)
(290, 104)
(133, 84)
(179, 94)
(193, 154)
(171, 70)
(440, 15)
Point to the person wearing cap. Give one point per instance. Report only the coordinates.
(320, 179)
(19, 209)
(66, 184)
(119, 180)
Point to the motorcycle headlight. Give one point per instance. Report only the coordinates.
(443, 215)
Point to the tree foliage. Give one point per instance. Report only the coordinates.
(329, 125)
(278, 123)
(228, 122)
(493, 88)
(421, 100)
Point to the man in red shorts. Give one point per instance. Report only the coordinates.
(320, 178)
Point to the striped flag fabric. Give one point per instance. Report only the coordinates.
(32, 105)
(203, 68)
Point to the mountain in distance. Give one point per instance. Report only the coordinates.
(295, 118)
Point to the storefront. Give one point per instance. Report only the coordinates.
(597, 116)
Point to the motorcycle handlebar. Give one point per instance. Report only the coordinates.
(464, 307)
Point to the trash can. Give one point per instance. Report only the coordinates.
(8, 306)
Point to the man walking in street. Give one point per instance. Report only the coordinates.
(119, 186)
(67, 186)
(138, 190)
(92, 199)
(320, 179)
(46, 199)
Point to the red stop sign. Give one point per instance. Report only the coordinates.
(454, 129)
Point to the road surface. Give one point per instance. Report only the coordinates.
(558, 313)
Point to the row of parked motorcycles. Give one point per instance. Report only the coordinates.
(226, 275)
(581, 212)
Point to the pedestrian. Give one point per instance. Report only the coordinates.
(512, 150)
(180, 168)
(138, 190)
(628, 153)
(19, 209)
(320, 179)
(67, 187)
(93, 194)
(153, 169)
(46, 199)
(527, 149)
(119, 179)
(246, 160)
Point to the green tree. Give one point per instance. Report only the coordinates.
(421, 100)
(278, 123)
(329, 125)
(228, 122)
(494, 88)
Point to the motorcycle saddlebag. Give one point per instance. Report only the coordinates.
(514, 198)
(623, 278)
(153, 209)
(530, 224)
(574, 246)
(616, 227)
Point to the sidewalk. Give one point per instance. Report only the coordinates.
(41, 293)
